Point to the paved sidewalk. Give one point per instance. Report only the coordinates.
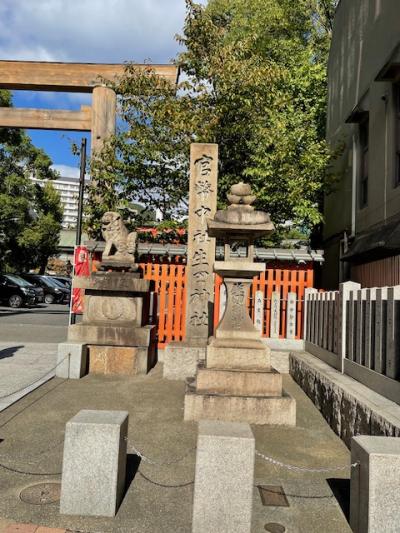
(23, 368)
(159, 498)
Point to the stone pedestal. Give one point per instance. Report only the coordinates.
(116, 318)
(94, 463)
(223, 487)
(181, 359)
(236, 382)
(375, 495)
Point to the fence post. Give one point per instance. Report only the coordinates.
(371, 297)
(306, 313)
(380, 330)
(291, 315)
(222, 301)
(345, 290)
(393, 331)
(259, 311)
(275, 314)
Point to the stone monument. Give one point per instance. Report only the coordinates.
(236, 381)
(180, 359)
(115, 324)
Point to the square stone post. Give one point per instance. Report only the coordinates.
(223, 489)
(94, 463)
(201, 248)
(180, 359)
(345, 290)
(375, 494)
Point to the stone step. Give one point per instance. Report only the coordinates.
(239, 382)
(239, 358)
(280, 410)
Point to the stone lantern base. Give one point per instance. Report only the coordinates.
(234, 394)
(236, 382)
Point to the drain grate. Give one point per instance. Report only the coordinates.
(41, 493)
(273, 527)
(273, 496)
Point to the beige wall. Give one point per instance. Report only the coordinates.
(366, 34)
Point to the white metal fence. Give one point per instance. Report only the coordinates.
(357, 331)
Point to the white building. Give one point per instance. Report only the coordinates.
(68, 188)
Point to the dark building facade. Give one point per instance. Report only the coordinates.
(362, 216)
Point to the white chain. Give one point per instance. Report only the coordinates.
(303, 469)
(157, 463)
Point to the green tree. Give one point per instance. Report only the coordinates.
(30, 215)
(255, 83)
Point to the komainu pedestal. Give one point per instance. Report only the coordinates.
(236, 382)
(115, 323)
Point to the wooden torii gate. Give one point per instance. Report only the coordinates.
(99, 118)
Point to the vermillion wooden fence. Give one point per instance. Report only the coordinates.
(170, 286)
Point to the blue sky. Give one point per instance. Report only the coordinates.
(103, 31)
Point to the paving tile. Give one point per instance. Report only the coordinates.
(21, 528)
(42, 529)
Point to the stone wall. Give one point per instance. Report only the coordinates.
(349, 407)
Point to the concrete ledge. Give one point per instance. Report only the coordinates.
(284, 344)
(348, 406)
(239, 382)
(278, 410)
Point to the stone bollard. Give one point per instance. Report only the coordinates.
(223, 489)
(375, 494)
(72, 360)
(94, 463)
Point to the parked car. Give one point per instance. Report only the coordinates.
(64, 280)
(54, 292)
(16, 291)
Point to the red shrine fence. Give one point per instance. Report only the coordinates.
(276, 300)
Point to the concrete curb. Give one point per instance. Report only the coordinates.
(349, 407)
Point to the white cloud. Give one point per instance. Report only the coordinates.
(67, 171)
(90, 30)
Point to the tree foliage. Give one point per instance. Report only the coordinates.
(255, 83)
(30, 215)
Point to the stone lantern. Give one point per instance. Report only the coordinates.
(236, 382)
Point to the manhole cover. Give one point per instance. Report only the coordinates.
(275, 528)
(273, 496)
(41, 494)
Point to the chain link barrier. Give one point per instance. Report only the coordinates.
(134, 450)
(164, 485)
(303, 468)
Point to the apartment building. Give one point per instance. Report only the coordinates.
(68, 189)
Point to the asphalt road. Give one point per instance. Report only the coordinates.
(41, 324)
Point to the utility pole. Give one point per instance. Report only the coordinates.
(81, 192)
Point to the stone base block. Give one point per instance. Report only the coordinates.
(181, 360)
(239, 382)
(239, 358)
(71, 360)
(94, 463)
(374, 491)
(280, 411)
(126, 361)
(109, 334)
(223, 487)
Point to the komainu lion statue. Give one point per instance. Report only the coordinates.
(120, 244)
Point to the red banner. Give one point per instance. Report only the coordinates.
(81, 268)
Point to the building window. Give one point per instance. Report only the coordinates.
(364, 149)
